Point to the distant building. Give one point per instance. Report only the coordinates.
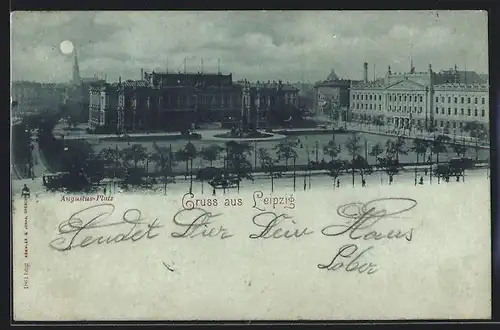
(174, 101)
(32, 97)
(331, 94)
(421, 100)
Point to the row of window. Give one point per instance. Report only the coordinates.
(406, 98)
(404, 109)
(462, 100)
(366, 97)
(362, 106)
(415, 98)
(368, 106)
(462, 112)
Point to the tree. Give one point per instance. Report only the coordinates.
(332, 149)
(478, 132)
(269, 166)
(459, 149)
(378, 121)
(263, 154)
(399, 147)
(439, 146)
(135, 153)
(353, 148)
(211, 153)
(187, 154)
(286, 150)
(389, 162)
(236, 160)
(419, 148)
(164, 161)
(360, 164)
(376, 152)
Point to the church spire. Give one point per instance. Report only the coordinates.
(412, 68)
(76, 69)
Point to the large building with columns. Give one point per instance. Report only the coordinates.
(420, 100)
(175, 101)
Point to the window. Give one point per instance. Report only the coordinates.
(437, 99)
(461, 112)
(460, 125)
(482, 100)
(353, 96)
(462, 100)
(475, 100)
(441, 123)
(447, 124)
(437, 110)
(361, 97)
(468, 112)
(449, 111)
(399, 98)
(405, 98)
(482, 113)
(404, 108)
(442, 99)
(380, 97)
(357, 106)
(420, 110)
(454, 125)
(380, 107)
(475, 112)
(449, 99)
(370, 97)
(468, 100)
(455, 112)
(399, 108)
(421, 98)
(456, 99)
(442, 111)
(361, 105)
(370, 106)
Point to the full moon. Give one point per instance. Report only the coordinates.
(66, 47)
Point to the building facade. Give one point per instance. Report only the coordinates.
(331, 95)
(175, 101)
(103, 105)
(421, 100)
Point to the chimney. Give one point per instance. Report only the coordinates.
(142, 74)
(365, 72)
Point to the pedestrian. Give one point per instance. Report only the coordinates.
(213, 191)
(390, 179)
(425, 172)
(458, 178)
(25, 192)
(363, 183)
(421, 180)
(338, 183)
(104, 190)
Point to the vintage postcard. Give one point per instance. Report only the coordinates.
(302, 165)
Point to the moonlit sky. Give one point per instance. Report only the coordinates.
(256, 45)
